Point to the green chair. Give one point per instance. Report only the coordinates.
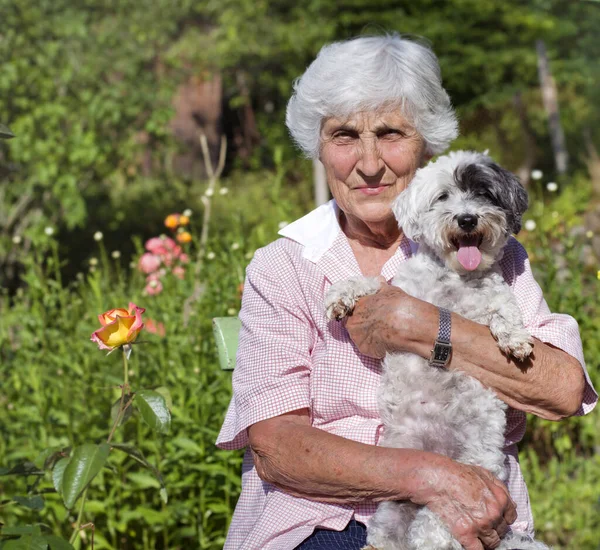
(226, 331)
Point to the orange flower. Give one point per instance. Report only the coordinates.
(172, 221)
(184, 237)
(119, 327)
(184, 220)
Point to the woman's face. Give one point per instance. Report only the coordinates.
(369, 160)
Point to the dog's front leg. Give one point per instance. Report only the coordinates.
(506, 325)
(342, 296)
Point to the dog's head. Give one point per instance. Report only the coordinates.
(463, 207)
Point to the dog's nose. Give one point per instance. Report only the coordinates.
(467, 222)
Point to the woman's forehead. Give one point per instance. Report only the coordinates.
(369, 120)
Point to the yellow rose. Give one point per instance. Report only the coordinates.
(119, 327)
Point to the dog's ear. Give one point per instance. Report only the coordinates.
(512, 195)
(405, 212)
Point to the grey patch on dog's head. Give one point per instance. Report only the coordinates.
(503, 188)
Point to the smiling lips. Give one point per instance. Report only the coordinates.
(372, 189)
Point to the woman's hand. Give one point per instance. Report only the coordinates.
(474, 505)
(389, 321)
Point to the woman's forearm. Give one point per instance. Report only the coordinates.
(311, 463)
(549, 384)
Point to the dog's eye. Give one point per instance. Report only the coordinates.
(443, 197)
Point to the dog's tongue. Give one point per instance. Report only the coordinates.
(468, 255)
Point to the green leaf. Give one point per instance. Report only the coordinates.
(86, 461)
(114, 410)
(164, 391)
(35, 502)
(22, 530)
(22, 469)
(138, 456)
(58, 472)
(56, 543)
(49, 457)
(154, 411)
(144, 481)
(28, 542)
(5, 132)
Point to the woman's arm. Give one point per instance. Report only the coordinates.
(550, 384)
(311, 463)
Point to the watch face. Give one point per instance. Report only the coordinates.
(441, 353)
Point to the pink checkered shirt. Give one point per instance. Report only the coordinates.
(290, 357)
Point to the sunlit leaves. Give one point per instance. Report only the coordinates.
(85, 462)
(153, 409)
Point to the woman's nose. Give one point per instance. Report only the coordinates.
(370, 162)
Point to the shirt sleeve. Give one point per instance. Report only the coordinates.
(557, 329)
(273, 366)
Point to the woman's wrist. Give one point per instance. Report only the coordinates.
(417, 324)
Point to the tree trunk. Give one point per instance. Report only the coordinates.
(320, 183)
(549, 96)
(528, 164)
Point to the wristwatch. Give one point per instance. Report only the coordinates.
(442, 349)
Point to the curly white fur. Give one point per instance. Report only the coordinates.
(440, 410)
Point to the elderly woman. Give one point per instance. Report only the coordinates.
(373, 110)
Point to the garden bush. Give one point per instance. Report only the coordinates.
(58, 388)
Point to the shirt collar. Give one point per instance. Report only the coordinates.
(316, 232)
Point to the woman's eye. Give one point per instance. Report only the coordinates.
(344, 134)
(391, 133)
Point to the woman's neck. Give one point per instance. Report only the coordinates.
(380, 235)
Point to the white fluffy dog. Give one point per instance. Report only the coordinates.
(461, 210)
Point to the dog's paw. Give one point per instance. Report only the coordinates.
(340, 309)
(341, 297)
(518, 344)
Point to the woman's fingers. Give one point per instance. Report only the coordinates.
(490, 539)
(501, 528)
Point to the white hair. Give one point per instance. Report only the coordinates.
(372, 73)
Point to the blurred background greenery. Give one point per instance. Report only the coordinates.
(108, 100)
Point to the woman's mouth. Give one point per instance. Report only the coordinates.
(372, 189)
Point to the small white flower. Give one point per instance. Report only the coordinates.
(153, 283)
(187, 212)
(589, 234)
(536, 174)
(235, 246)
(17, 239)
(232, 311)
(555, 214)
(223, 191)
(197, 349)
(210, 256)
(131, 373)
(93, 261)
(530, 225)
(92, 269)
(196, 370)
(283, 224)
(249, 255)
(132, 265)
(98, 236)
(59, 372)
(209, 192)
(115, 254)
(49, 231)
(552, 186)
(10, 406)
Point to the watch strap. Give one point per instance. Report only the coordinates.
(442, 349)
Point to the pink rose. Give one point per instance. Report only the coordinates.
(149, 263)
(184, 259)
(154, 287)
(178, 271)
